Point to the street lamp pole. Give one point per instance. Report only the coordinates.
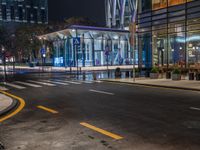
(133, 31)
(76, 49)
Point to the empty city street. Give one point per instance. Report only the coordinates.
(65, 113)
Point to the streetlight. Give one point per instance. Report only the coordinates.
(133, 31)
(43, 51)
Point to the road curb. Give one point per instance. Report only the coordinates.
(19, 107)
(10, 108)
(153, 85)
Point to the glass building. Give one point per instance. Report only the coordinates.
(85, 46)
(168, 31)
(24, 11)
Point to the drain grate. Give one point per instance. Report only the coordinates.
(1, 147)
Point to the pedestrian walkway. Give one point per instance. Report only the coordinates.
(168, 83)
(5, 103)
(21, 85)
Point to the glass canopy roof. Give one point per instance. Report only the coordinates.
(87, 32)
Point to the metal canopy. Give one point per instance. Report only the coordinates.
(88, 32)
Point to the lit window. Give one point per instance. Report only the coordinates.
(158, 4)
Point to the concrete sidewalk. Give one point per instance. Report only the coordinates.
(6, 104)
(167, 83)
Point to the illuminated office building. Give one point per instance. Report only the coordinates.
(24, 11)
(168, 31)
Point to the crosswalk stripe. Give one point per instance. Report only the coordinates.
(42, 83)
(14, 85)
(28, 84)
(54, 82)
(67, 81)
(3, 88)
(88, 82)
(72, 82)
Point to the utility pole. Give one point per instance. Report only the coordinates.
(132, 29)
(4, 63)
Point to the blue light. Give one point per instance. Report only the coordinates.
(192, 38)
(58, 61)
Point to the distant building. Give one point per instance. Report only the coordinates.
(24, 11)
(168, 31)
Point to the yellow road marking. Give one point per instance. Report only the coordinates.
(114, 136)
(47, 109)
(21, 106)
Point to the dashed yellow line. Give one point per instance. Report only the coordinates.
(114, 136)
(21, 106)
(48, 109)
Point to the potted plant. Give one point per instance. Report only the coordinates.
(154, 74)
(176, 74)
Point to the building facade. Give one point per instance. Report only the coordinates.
(168, 31)
(24, 11)
(119, 13)
(86, 46)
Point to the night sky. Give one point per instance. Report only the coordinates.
(93, 9)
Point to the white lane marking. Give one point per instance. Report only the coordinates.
(102, 92)
(14, 85)
(3, 88)
(88, 82)
(42, 83)
(194, 108)
(28, 84)
(54, 82)
(72, 82)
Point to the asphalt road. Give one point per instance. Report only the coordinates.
(143, 117)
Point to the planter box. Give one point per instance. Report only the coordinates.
(176, 77)
(154, 75)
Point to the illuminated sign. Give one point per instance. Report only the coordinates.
(58, 61)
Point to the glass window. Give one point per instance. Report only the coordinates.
(177, 49)
(158, 4)
(145, 5)
(145, 54)
(193, 48)
(175, 2)
(159, 44)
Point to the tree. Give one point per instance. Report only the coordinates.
(27, 45)
(80, 21)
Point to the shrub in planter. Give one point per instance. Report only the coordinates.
(154, 74)
(176, 74)
(118, 73)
